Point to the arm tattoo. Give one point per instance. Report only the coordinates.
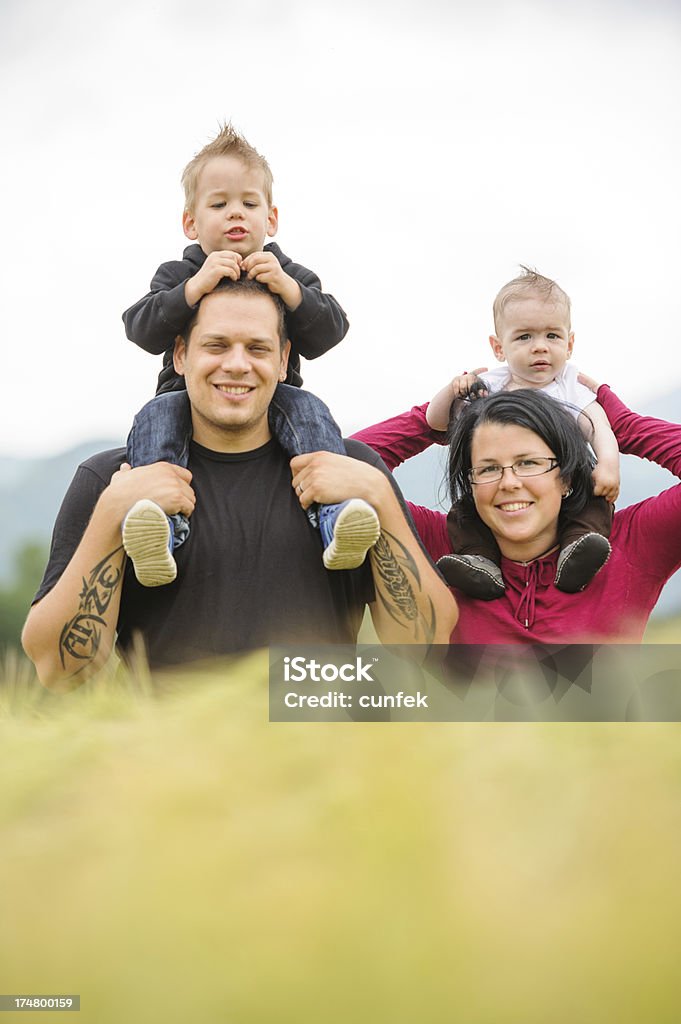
(401, 603)
(81, 636)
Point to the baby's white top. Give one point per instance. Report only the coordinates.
(565, 388)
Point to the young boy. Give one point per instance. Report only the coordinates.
(534, 340)
(228, 215)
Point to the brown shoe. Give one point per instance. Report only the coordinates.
(579, 562)
(473, 575)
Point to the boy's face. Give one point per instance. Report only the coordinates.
(534, 339)
(230, 210)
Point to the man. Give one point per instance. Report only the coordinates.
(250, 574)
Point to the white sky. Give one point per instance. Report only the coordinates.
(420, 150)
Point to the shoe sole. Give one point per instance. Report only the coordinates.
(356, 531)
(146, 534)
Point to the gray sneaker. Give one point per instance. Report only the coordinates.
(473, 575)
(147, 539)
(349, 530)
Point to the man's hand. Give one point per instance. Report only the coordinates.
(167, 485)
(266, 268)
(606, 481)
(217, 266)
(327, 478)
(438, 411)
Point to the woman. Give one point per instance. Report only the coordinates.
(494, 442)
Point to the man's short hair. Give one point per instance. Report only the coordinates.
(228, 142)
(244, 286)
(527, 284)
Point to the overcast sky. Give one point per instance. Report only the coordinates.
(420, 151)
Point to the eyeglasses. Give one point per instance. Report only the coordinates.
(522, 468)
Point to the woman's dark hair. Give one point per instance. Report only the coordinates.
(536, 412)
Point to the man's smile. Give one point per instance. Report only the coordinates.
(234, 389)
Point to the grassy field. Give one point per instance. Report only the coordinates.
(664, 631)
(174, 857)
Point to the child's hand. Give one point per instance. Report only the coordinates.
(606, 481)
(588, 381)
(217, 266)
(266, 268)
(437, 413)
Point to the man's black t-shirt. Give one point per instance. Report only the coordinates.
(250, 574)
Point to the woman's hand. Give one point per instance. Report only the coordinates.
(437, 413)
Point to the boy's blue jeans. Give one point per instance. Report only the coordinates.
(162, 430)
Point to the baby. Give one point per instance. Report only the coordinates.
(534, 340)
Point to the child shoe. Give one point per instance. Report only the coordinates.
(474, 575)
(348, 531)
(148, 540)
(579, 562)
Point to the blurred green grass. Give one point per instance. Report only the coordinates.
(172, 856)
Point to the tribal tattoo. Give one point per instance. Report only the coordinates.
(81, 636)
(400, 602)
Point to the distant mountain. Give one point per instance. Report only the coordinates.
(31, 490)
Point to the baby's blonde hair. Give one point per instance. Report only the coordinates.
(228, 142)
(526, 284)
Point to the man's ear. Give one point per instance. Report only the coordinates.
(571, 343)
(179, 355)
(188, 226)
(497, 348)
(283, 368)
(272, 222)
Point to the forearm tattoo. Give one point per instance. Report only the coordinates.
(396, 593)
(81, 636)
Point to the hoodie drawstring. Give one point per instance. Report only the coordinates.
(539, 572)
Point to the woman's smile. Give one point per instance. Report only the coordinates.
(514, 506)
